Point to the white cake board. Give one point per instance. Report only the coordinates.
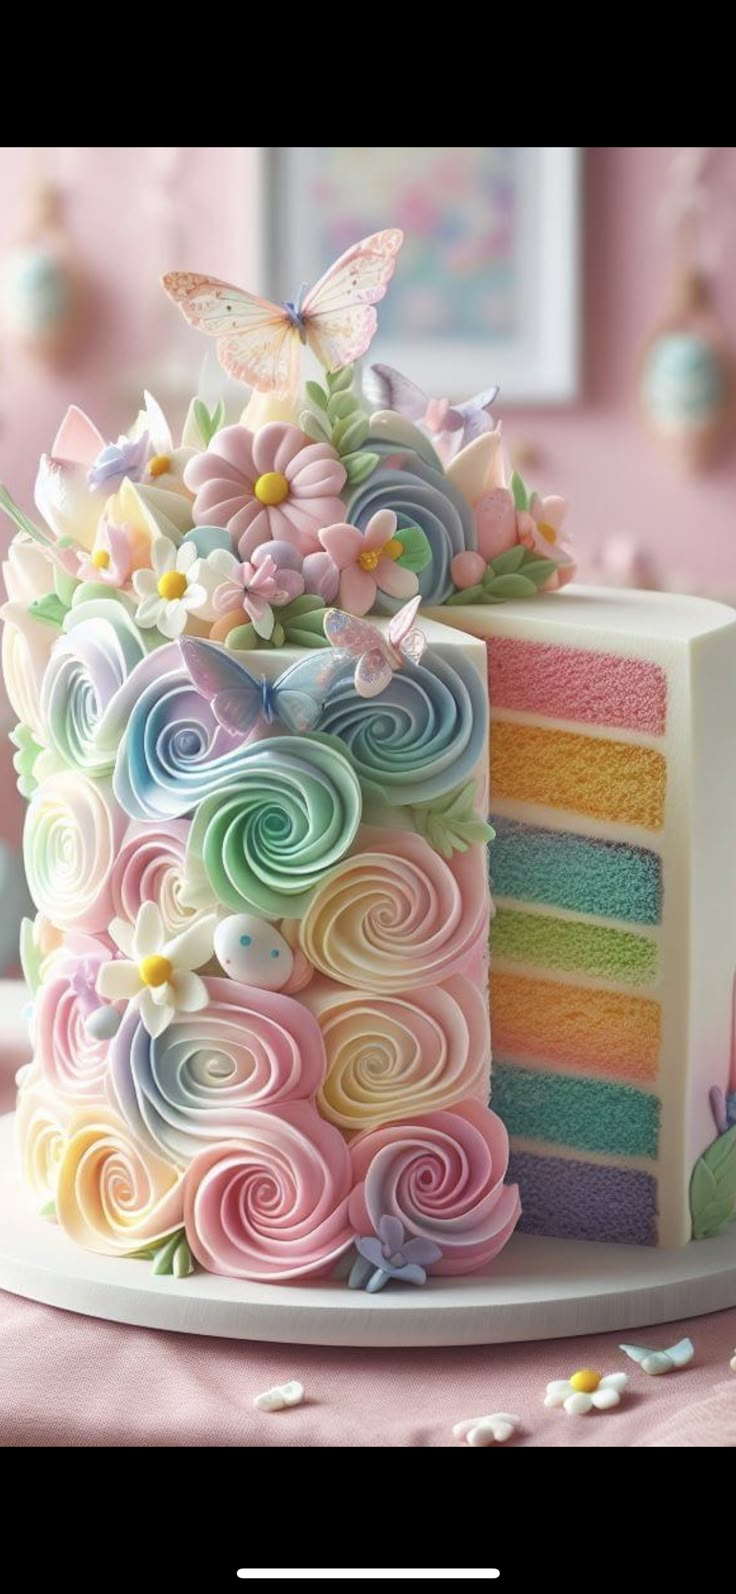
(536, 1289)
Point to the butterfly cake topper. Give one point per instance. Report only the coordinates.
(387, 389)
(260, 342)
(239, 700)
(378, 656)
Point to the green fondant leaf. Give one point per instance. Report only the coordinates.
(314, 428)
(24, 760)
(169, 1256)
(20, 520)
(538, 570)
(511, 587)
(30, 956)
(208, 422)
(340, 405)
(713, 1187)
(48, 1211)
(316, 395)
(505, 564)
(450, 823)
(182, 1263)
(350, 433)
(64, 586)
(469, 595)
(241, 638)
(520, 491)
(359, 465)
(417, 552)
(49, 608)
(339, 381)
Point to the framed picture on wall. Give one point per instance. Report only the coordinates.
(487, 287)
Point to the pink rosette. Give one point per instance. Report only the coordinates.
(112, 1196)
(442, 1176)
(73, 1062)
(395, 915)
(389, 1057)
(200, 1080)
(150, 868)
(272, 1204)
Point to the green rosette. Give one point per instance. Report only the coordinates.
(266, 842)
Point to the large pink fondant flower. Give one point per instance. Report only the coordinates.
(442, 1175)
(274, 483)
(366, 561)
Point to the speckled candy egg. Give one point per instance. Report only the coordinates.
(251, 950)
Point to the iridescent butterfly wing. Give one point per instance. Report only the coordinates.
(356, 639)
(258, 342)
(300, 694)
(236, 698)
(338, 312)
(404, 636)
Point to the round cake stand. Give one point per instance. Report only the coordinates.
(536, 1289)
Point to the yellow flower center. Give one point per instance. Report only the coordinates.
(585, 1382)
(392, 549)
(159, 465)
(155, 970)
(547, 531)
(271, 488)
(100, 558)
(172, 585)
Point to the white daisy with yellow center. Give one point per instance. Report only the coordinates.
(586, 1390)
(155, 973)
(172, 590)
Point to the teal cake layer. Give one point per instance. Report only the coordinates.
(581, 873)
(585, 1114)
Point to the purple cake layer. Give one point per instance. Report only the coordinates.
(585, 1201)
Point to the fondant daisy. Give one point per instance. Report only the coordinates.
(158, 974)
(585, 1390)
(171, 591)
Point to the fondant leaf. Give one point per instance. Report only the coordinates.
(64, 586)
(49, 608)
(350, 433)
(511, 587)
(520, 491)
(417, 552)
(505, 564)
(538, 570)
(470, 595)
(713, 1187)
(314, 428)
(338, 381)
(450, 823)
(340, 405)
(317, 395)
(358, 466)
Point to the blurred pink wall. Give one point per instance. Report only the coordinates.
(597, 453)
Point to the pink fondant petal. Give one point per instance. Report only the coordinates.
(357, 590)
(217, 503)
(554, 510)
(394, 580)
(77, 438)
(235, 445)
(250, 527)
(318, 478)
(206, 468)
(343, 543)
(275, 445)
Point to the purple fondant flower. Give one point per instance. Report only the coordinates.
(118, 460)
(388, 1255)
(723, 1109)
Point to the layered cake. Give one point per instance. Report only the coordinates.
(252, 670)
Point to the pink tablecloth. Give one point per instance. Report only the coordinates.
(69, 1380)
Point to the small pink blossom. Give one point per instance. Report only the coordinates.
(538, 528)
(367, 563)
(111, 560)
(272, 484)
(257, 590)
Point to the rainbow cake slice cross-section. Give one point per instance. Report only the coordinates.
(613, 772)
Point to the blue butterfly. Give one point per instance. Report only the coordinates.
(239, 700)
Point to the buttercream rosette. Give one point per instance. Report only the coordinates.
(442, 1175)
(72, 833)
(73, 1061)
(267, 841)
(112, 1195)
(149, 867)
(200, 1080)
(395, 916)
(272, 1204)
(391, 1056)
(41, 1122)
(421, 736)
(88, 665)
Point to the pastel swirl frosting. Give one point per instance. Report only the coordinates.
(421, 736)
(150, 868)
(73, 1062)
(71, 836)
(394, 916)
(391, 1056)
(40, 1131)
(113, 1196)
(272, 1204)
(420, 496)
(267, 841)
(88, 665)
(442, 1176)
(200, 1080)
(171, 750)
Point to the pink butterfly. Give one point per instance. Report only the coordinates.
(379, 657)
(259, 342)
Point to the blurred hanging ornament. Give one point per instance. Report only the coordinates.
(686, 382)
(40, 282)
